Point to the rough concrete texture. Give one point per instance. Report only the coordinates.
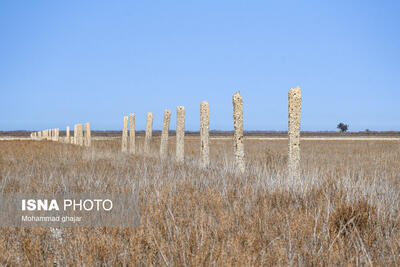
(124, 143)
(149, 133)
(294, 106)
(164, 134)
(180, 134)
(238, 146)
(79, 128)
(40, 135)
(132, 134)
(204, 134)
(88, 135)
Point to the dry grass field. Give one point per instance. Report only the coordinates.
(345, 210)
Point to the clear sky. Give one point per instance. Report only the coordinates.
(65, 62)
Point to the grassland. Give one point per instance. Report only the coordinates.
(344, 211)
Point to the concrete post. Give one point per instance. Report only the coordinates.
(79, 128)
(40, 135)
(67, 138)
(238, 145)
(74, 141)
(204, 134)
(132, 134)
(180, 134)
(124, 142)
(164, 134)
(88, 135)
(56, 134)
(149, 132)
(294, 112)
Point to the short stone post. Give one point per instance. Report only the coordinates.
(79, 128)
(149, 133)
(124, 142)
(180, 134)
(48, 134)
(67, 138)
(238, 145)
(40, 135)
(164, 134)
(88, 135)
(204, 134)
(132, 134)
(294, 112)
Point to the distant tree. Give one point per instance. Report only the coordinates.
(342, 127)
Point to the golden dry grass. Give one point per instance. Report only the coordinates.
(344, 210)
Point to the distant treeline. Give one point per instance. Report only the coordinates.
(221, 133)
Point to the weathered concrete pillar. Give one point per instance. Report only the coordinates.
(149, 133)
(294, 112)
(75, 135)
(204, 134)
(48, 134)
(40, 135)
(238, 145)
(88, 135)
(124, 142)
(164, 134)
(180, 134)
(56, 134)
(31, 135)
(132, 134)
(79, 128)
(67, 138)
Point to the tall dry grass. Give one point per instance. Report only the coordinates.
(344, 210)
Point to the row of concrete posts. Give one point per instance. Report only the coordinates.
(81, 138)
(294, 116)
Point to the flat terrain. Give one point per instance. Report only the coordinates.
(345, 209)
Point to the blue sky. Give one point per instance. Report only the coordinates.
(65, 62)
